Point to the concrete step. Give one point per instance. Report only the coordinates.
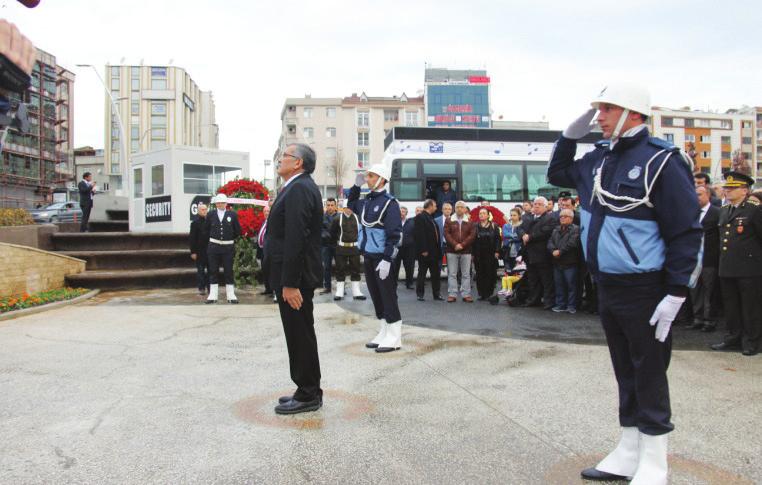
(132, 279)
(109, 226)
(118, 241)
(117, 215)
(134, 259)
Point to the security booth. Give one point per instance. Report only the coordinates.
(167, 184)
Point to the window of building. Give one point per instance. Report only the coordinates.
(725, 140)
(746, 155)
(204, 179)
(705, 154)
(362, 139)
(291, 129)
(706, 139)
(363, 119)
(135, 72)
(158, 78)
(362, 159)
(746, 140)
(135, 132)
(726, 124)
(725, 155)
(157, 180)
(137, 183)
(330, 112)
(689, 122)
(308, 112)
(115, 83)
(669, 137)
(135, 107)
(308, 132)
(330, 154)
(411, 118)
(391, 115)
(330, 132)
(703, 123)
(746, 124)
(134, 146)
(690, 138)
(158, 108)
(135, 84)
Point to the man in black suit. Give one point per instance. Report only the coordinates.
(701, 295)
(537, 231)
(406, 256)
(199, 242)
(292, 255)
(86, 191)
(703, 180)
(428, 249)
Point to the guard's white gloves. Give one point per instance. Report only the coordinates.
(665, 314)
(360, 179)
(581, 126)
(383, 269)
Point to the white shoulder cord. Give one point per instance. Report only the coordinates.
(602, 195)
(380, 216)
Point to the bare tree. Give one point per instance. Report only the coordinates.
(338, 168)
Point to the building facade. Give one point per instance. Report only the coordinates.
(35, 164)
(158, 106)
(716, 141)
(457, 98)
(347, 133)
(756, 111)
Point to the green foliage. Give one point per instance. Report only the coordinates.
(245, 262)
(26, 300)
(15, 217)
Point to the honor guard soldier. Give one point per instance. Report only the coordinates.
(641, 236)
(741, 265)
(344, 230)
(223, 229)
(380, 231)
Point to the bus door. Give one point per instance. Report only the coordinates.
(433, 185)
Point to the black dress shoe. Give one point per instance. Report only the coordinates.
(438, 298)
(361, 297)
(749, 352)
(420, 298)
(209, 302)
(725, 346)
(593, 474)
(284, 399)
(295, 407)
(234, 302)
(325, 291)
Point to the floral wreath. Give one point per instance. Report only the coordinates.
(251, 217)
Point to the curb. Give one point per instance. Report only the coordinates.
(48, 306)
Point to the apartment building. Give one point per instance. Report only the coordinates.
(347, 133)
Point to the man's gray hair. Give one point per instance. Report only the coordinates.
(541, 199)
(307, 155)
(567, 212)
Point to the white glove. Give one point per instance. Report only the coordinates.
(665, 314)
(383, 269)
(360, 179)
(581, 126)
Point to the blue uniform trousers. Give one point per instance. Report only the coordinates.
(640, 361)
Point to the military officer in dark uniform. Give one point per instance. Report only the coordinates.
(223, 228)
(741, 265)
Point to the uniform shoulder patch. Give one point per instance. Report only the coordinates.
(752, 201)
(662, 144)
(603, 143)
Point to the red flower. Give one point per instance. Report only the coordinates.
(250, 217)
(497, 215)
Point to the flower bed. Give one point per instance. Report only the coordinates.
(26, 301)
(15, 217)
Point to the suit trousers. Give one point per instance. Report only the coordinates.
(327, 253)
(383, 293)
(405, 257)
(743, 311)
(640, 361)
(86, 209)
(219, 253)
(541, 283)
(202, 271)
(430, 265)
(701, 295)
(301, 341)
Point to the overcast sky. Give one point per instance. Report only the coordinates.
(546, 58)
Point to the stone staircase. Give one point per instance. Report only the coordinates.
(125, 260)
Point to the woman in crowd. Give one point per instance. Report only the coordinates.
(486, 254)
(511, 239)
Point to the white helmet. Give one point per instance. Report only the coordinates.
(382, 170)
(630, 96)
(219, 198)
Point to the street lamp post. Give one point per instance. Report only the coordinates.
(124, 153)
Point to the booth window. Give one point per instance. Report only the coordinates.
(138, 183)
(206, 179)
(157, 180)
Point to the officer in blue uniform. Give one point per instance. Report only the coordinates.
(223, 228)
(642, 237)
(379, 232)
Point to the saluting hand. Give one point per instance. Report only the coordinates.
(293, 297)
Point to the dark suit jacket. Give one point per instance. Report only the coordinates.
(711, 228)
(85, 194)
(199, 236)
(294, 227)
(408, 236)
(426, 235)
(539, 231)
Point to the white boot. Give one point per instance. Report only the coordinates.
(652, 463)
(378, 338)
(230, 292)
(356, 291)
(339, 291)
(213, 291)
(622, 462)
(393, 339)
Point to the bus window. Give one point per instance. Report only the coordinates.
(432, 167)
(538, 185)
(409, 169)
(407, 190)
(492, 181)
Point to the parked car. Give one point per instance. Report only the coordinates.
(58, 212)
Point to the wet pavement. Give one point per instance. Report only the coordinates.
(156, 387)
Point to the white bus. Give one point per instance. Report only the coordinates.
(504, 167)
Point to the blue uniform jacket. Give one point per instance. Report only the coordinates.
(380, 222)
(645, 245)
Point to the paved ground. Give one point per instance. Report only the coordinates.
(141, 388)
